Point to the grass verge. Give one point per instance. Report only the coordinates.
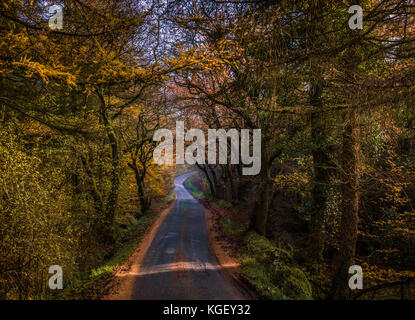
(93, 287)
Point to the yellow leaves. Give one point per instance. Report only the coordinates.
(43, 37)
(376, 275)
(115, 70)
(99, 47)
(203, 58)
(109, 67)
(15, 42)
(47, 73)
(292, 180)
(18, 46)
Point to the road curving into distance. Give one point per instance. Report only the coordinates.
(178, 263)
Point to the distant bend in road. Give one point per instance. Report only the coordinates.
(178, 264)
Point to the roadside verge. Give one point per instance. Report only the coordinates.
(219, 245)
(123, 278)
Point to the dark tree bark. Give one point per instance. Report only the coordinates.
(264, 193)
(350, 179)
(320, 185)
(209, 179)
(139, 178)
(319, 134)
(349, 206)
(112, 200)
(92, 187)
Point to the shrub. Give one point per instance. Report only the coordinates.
(292, 282)
(272, 271)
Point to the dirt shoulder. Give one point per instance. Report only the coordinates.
(120, 288)
(225, 254)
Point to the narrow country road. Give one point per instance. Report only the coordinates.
(178, 263)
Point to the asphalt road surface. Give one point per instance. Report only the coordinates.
(178, 263)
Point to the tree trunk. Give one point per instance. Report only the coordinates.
(114, 176)
(213, 172)
(142, 196)
(349, 206)
(227, 183)
(233, 176)
(139, 179)
(320, 185)
(230, 190)
(263, 202)
(92, 189)
(350, 179)
(212, 187)
(319, 134)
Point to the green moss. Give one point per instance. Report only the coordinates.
(259, 276)
(231, 228)
(260, 248)
(272, 271)
(292, 282)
